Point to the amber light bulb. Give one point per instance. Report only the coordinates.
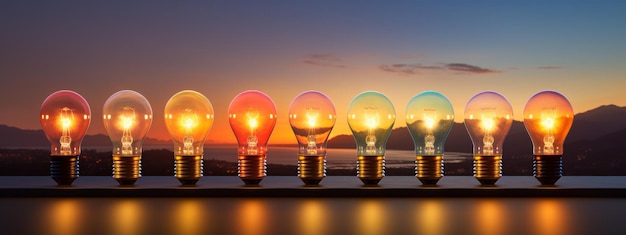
(252, 117)
(127, 118)
(188, 119)
(371, 116)
(65, 117)
(312, 117)
(548, 117)
(488, 118)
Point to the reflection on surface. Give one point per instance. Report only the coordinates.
(430, 217)
(550, 216)
(371, 217)
(312, 216)
(126, 217)
(491, 217)
(251, 217)
(190, 216)
(64, 217)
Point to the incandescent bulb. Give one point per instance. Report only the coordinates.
(188, 119)
(488, 118)
(65, 117)
(429, 119)
(312, 117)
(371, 116)
(127, 117)
(548, 117)
(252, 117)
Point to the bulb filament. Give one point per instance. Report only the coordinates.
(190, 121)
(488, 124)
(547, 121)
(253, 140)
(312, 114)
(429, 140)
(66, 122)
(128, 119)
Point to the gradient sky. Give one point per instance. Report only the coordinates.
(342, 48)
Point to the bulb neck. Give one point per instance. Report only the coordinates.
(548, 169)
(370, 169)
(64, 169)
(311, 169)
(252, 168)
(188, 169)
(488, 169)
(126, 169)
(429, 169)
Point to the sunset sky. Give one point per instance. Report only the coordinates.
(282, 48)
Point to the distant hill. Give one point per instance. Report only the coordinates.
(12, 137)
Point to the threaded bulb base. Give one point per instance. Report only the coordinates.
(311, 169)
(252, 168)
(126, 169)
(429, 169)
(188, 169)
(548, 169)
(64, 169)
(370, 169)
(488, 169)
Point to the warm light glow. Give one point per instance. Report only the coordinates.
(430, 217)
(61, 122)
(312, 216)
(488, 124)
(549, 117)
(491, 217)
(306, 113)
(66, 218)
(252, 117)
(550, 217)
(252, 215)
(312, 117)
(189, 118)
(371, 122)
(189, 216)
(370, 131)
(127, 122)
(371, 217)
(127, 217)
(488, 118)
(548, 123)
(122, 114)
(429, 130)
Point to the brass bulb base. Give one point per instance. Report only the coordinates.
(64, 169)
(311, 169)
(429, 169)
(488, 169)
(188, 169)
(126, 169)
(548, 168)
(252, 168)
(370, 169)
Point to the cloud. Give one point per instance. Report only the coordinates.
(550, 67)
(411, 69)
(324, 60)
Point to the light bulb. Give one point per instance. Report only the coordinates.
(188, 118)
(65, 117)
(488, 118)
(312, 117)
(252, 116)
(548, 116)
(371, 116)
(127, 118)
(429, 119)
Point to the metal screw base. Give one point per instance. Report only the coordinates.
(548, 168)
(429, 169)
(188, 169)
(488, 169)
(311, 169)
(126, 169)
(370, 169)
(64, 169)
(252, 168)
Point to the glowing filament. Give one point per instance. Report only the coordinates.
(190, 120)
(488, 123)
(548, 123)
(253, 140)
(66, 122)
(128, 120)
(312, 115)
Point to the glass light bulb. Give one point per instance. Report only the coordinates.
(65, 118)
(252, 117)
(371, 116)
(488, 118)
(312, 117)
(548, 117)
(429, 119)
(127, 117)
(188, 118)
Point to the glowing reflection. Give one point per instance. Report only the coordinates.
(549, 217)
(65, 217)
(312, 217)
(251, 217)
(190, 217)
(127, 217)
(371, 218)
(491, 217)
(430, 216)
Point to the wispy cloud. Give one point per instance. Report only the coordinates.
(411, 69)
(550, 67)
(324, 60)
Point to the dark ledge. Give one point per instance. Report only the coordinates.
(333, 186)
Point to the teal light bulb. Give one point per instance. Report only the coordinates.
(429, 119)
(371, 116)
